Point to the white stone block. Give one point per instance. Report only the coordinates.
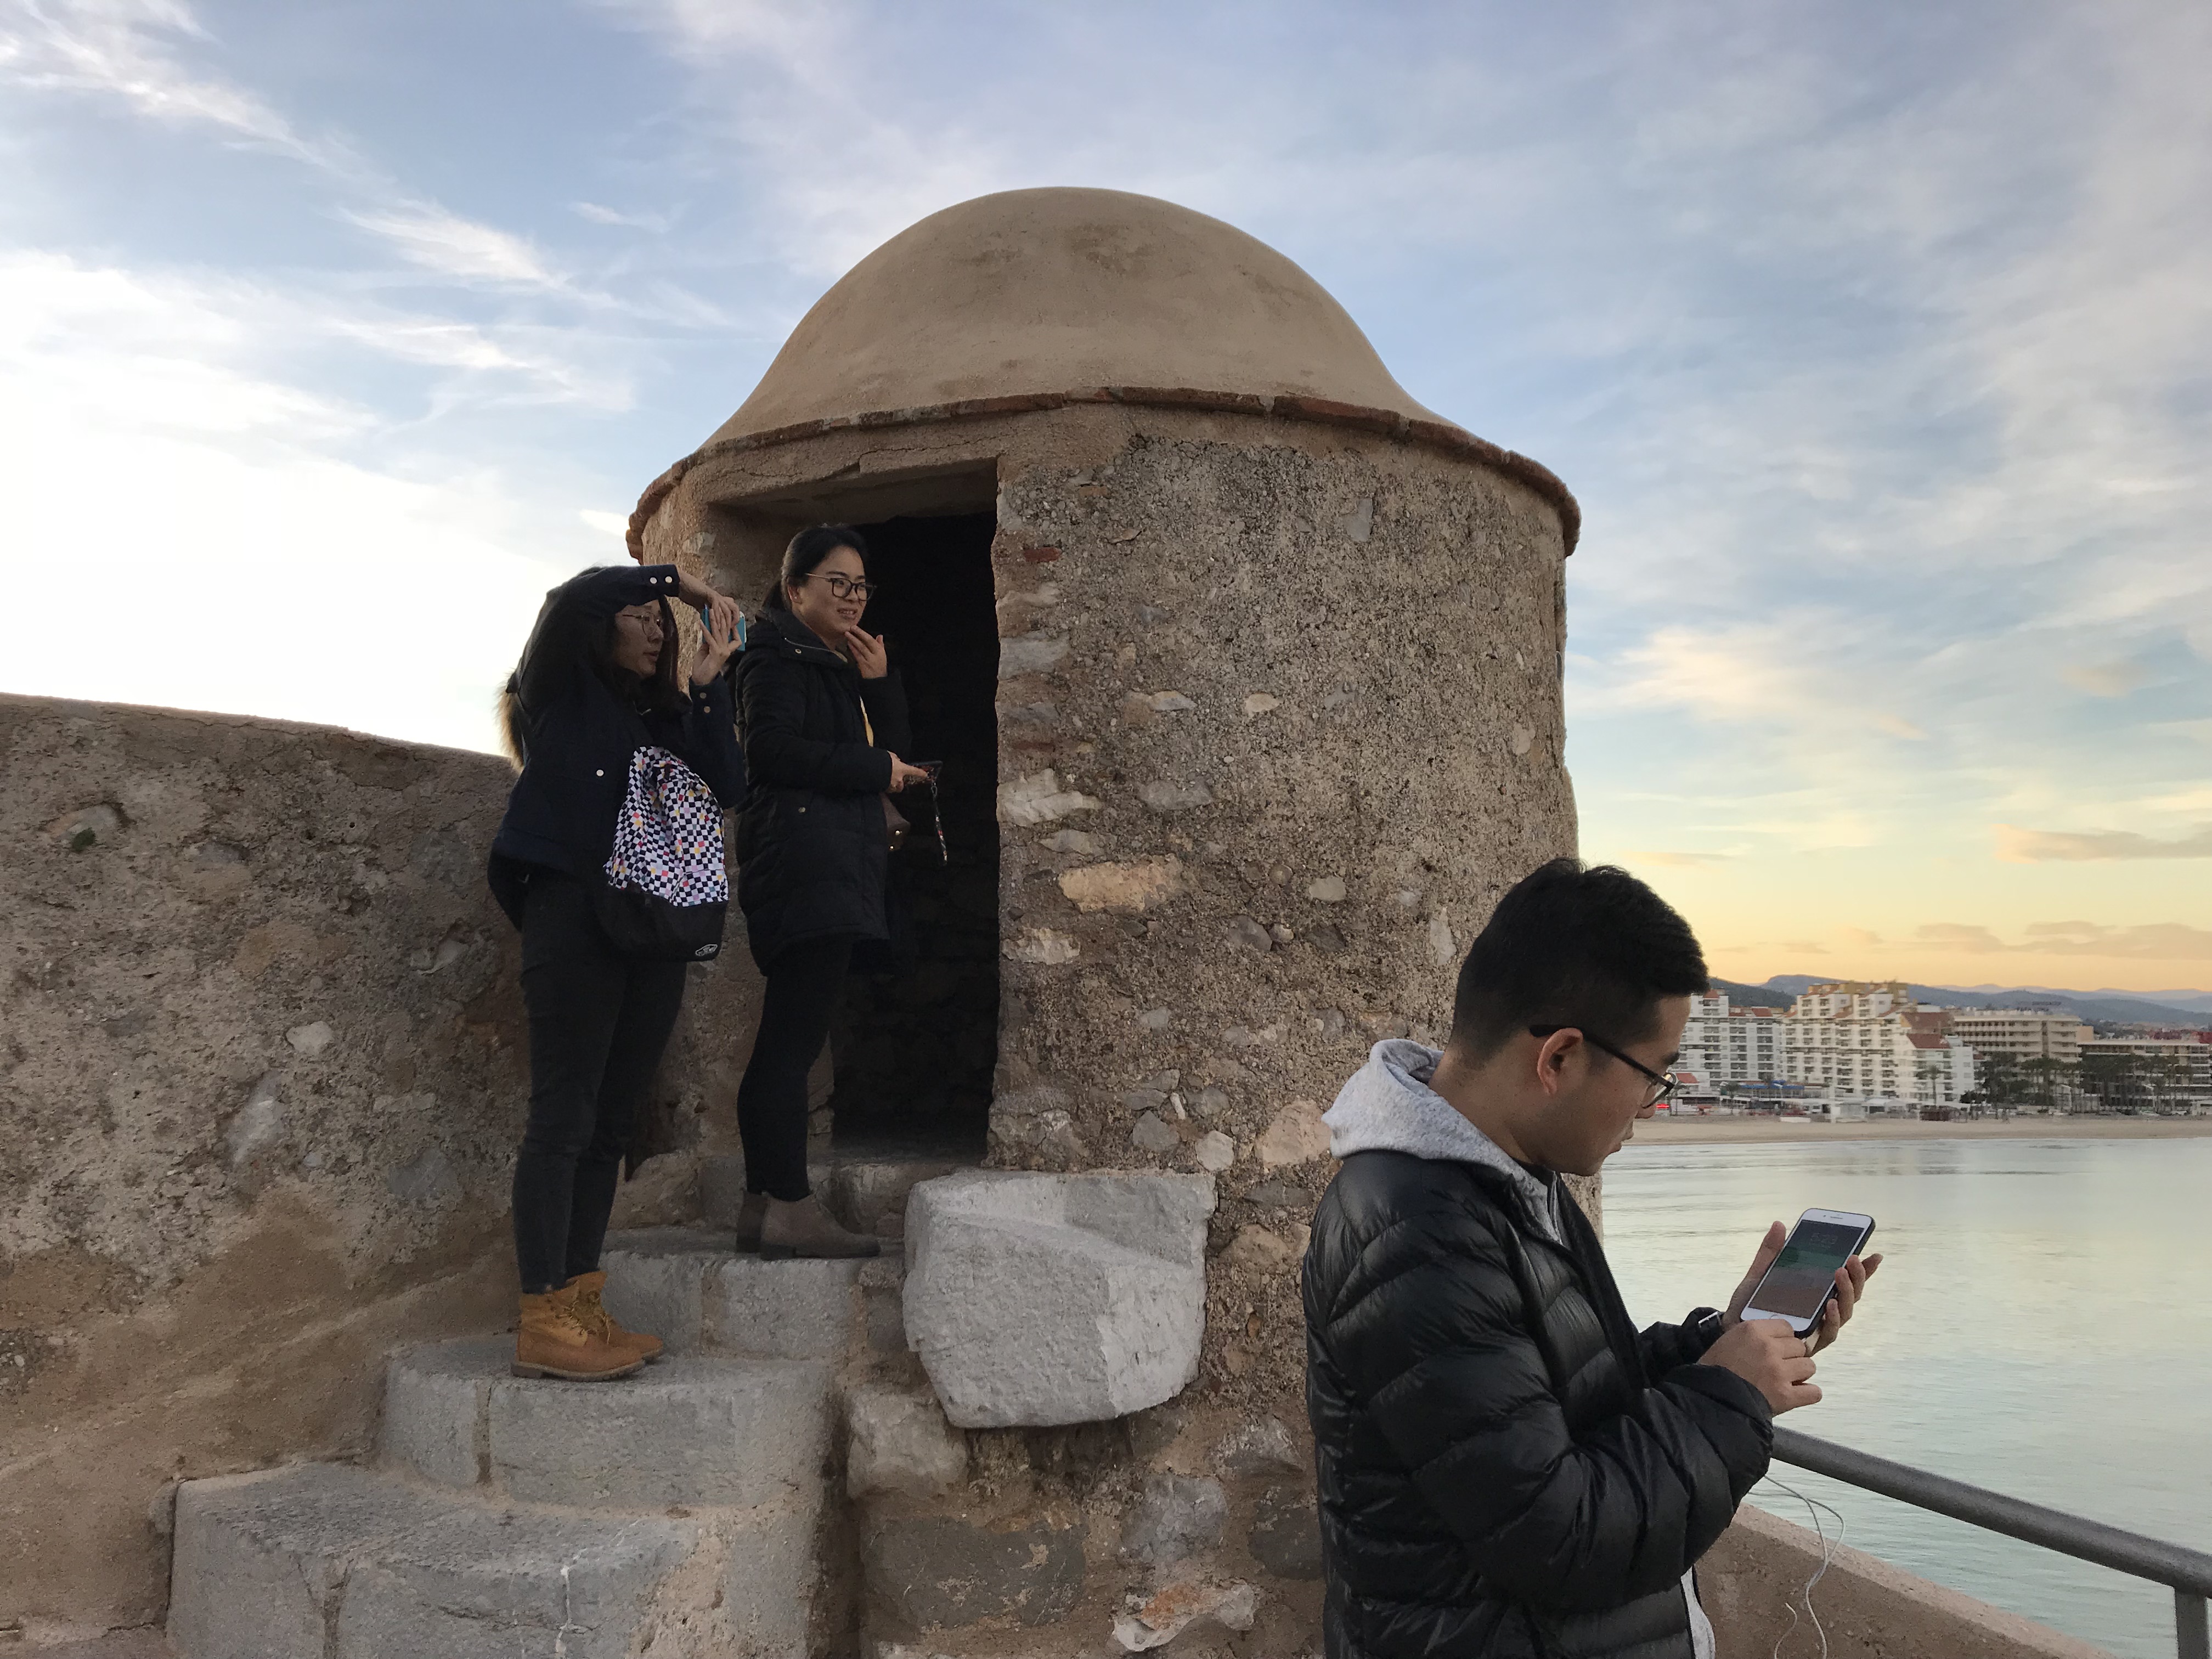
(697, 1430)
(901, 1442)
(435, 1399)
(1036, 1299)
(325, 1559)
(655, 1279)
(798, 1309)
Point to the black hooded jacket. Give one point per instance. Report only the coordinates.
(812, 856)
(1505, 1467)
(576, 736)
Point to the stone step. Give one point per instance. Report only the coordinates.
(687, 1287)
(691, 1429)
(328, 1561)
(866, 1194)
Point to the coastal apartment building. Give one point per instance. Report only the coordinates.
(1723, 1045)
(1849, 1040)
(2136, 1072)
(1857, 1038)
(2022, 1033)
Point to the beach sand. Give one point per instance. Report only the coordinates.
(1663, 1130)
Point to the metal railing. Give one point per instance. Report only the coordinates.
(2187, 1572)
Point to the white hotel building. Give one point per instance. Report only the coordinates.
(1849, 1040)
(1723, 1045)
(2022, 1033)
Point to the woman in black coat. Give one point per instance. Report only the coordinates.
(597, 683)
(822, 713)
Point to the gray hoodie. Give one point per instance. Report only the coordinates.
(1388, 1106)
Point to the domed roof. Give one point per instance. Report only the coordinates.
(1043, 291)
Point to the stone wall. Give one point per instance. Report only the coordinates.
(263, 1074)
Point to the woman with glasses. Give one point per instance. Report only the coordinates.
(822, 713)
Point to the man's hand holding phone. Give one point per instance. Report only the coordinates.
(1851, 1284)
(1771, 1356)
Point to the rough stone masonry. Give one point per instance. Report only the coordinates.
(261, 1066)
(1279, 718)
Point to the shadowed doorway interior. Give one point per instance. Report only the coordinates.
(917, 1038)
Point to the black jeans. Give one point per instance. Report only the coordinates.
(804, 983)
(598, 1023)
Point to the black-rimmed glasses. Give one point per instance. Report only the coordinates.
(844, 587)
(1662, 1083)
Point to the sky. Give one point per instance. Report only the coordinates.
(1875, 342)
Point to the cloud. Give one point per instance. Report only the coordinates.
(2019, 846)
(800, 38)
(1958, 936)
(1677, 860)
(127, 49)
(444, 242)
(547, 364)
(607, 524)
(186, 351)
(1898, 726)
(1743, 673)
(183, 420)
(2110, 679)
(656, 222)
(2162, 941)
(2143, 941)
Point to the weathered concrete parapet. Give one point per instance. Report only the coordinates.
(1043, 1299)
(1753, 1584)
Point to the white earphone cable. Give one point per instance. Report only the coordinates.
(1828, 1547)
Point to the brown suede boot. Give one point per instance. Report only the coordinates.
(551, 1341)
(750, 1214)
(806, 1228)
(592, 1314)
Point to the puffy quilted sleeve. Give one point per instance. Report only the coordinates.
(1427, 1333)
(779, 753)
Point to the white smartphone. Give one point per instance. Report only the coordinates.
(1798, 1285)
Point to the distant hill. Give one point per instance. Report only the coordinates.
(2200, 1000)
(1754, 996)
(2118, 1010)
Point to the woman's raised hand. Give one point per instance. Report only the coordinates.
(718, 641)
(903, 775)
(868, 651)
(699, 597)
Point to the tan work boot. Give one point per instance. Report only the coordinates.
(750, 1214)
(551, 1341)
(592, 1314)
(806, 1228)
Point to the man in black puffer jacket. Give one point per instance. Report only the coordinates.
(1506, 1468)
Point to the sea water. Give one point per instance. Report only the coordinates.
(2040, 1326)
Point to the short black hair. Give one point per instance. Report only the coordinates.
(1595, 949)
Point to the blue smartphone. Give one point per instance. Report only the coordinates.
(706, 625)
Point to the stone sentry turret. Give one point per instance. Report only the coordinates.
(1246, 670)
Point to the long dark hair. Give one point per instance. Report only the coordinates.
(661, 690)
(803, 556)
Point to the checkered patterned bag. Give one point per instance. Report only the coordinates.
(668, 891)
